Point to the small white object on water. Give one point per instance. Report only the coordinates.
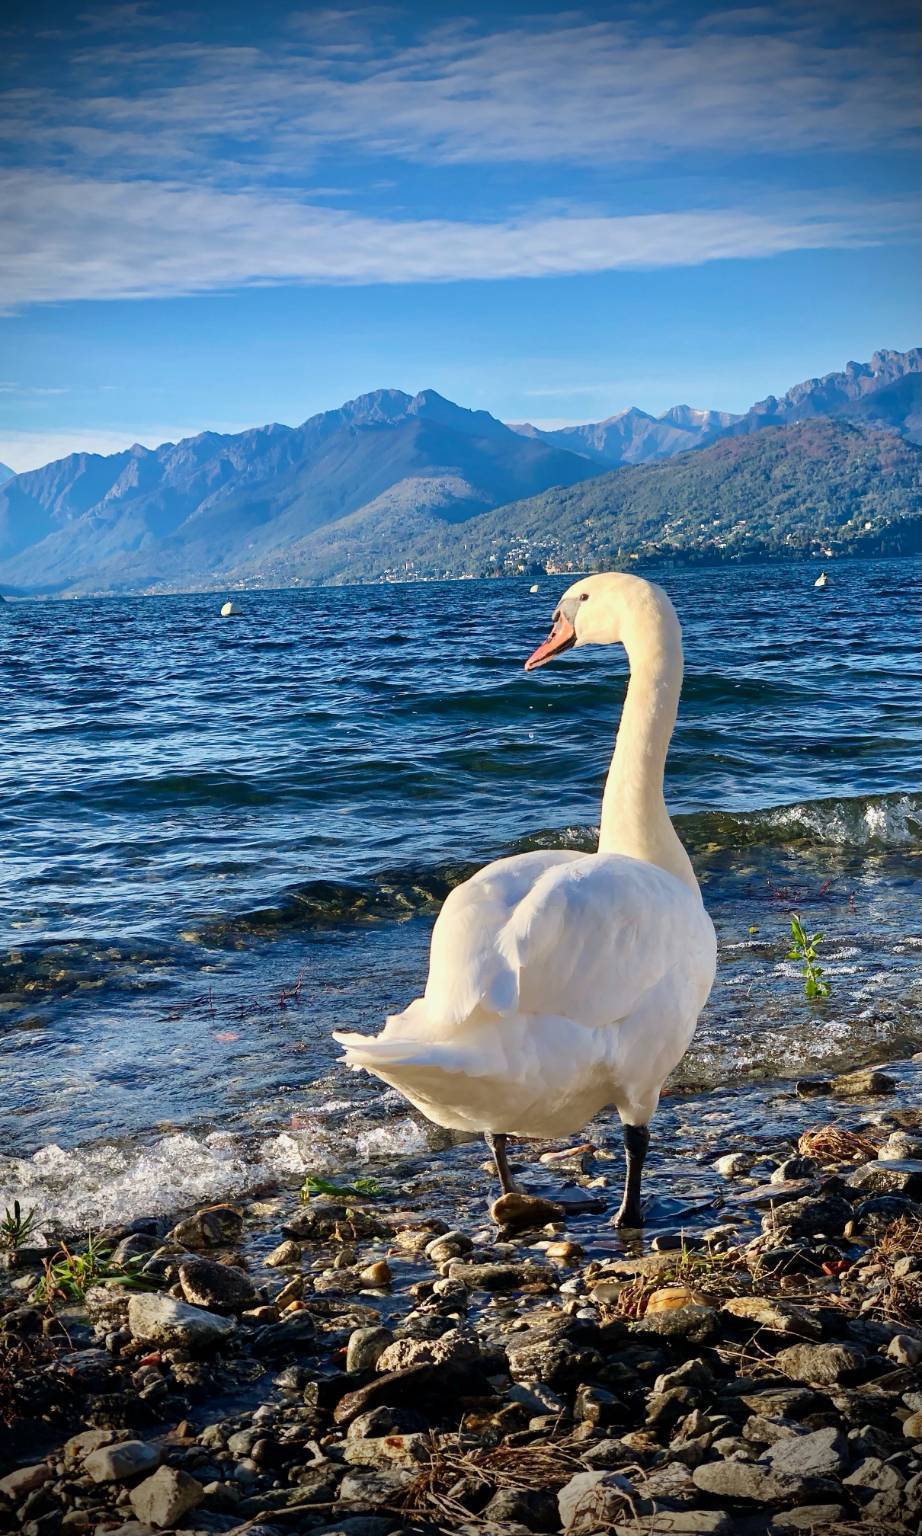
(534, 588)
(822, 580)
(229, 611)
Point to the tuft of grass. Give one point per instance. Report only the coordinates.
(832, 1144)
(16, 1227)
(68, 1276)
(804, 948)
(714, 1275)
(366, 1189)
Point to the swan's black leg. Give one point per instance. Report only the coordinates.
(636, 1142)
(497, 1145)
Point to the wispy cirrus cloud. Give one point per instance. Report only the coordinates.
(71, 238)
(579, 89)
(165, 160)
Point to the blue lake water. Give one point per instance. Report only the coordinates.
(224, 838)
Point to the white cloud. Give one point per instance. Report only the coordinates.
(67, 238)
(577, 90)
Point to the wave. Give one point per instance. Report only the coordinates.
(869, 823)
(110, 1183)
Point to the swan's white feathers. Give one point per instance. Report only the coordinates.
(559, 982)
(562, 982)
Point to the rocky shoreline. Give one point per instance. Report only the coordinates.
(374, 1361)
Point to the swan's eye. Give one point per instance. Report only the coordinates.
(584, 597)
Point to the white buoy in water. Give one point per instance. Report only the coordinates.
(534, 588)
(822, 580)
(229, 611)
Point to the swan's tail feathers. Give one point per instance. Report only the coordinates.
(383, 1053)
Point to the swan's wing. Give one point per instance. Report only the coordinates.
(581, 936)
(590, 940)
(468, 967)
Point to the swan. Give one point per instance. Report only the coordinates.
(229, 610)
(822, 580)
(562, 983)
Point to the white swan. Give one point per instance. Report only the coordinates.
(822, 580)
(560, 982)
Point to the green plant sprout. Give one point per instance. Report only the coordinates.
(16, 1228)
(68, 1276)
(313, 1185)
(803, 948)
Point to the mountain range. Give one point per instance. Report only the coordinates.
(377, 489)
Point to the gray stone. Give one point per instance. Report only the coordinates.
(453, 1348)
(807, 1517)
(162, 1320)
(213, 1227)
(365, 1347)
(594, 1500)
(754, 1482)
(497, 1277)
(680, 1522)
(387, 1451)
(824, 1453)
(865, 1081)
(286, 1256)
(905, 1350)
(823, 1364)
(16, 1485)
(222, 1287)
(696, 1324)
(793, 1168)
(808, 1216)
(732, 1164)
(890, 1177)
(777, 1316)
(374, 1485)
(533, 1508)
(450, 1245)
(118, 1463)
(163, 1499)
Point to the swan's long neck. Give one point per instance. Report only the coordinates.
(635, 820)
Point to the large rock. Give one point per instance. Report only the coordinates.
(388, 1450)
(519, 1212)
(592, 1501)
(119, 1463)
(213, 1227)
(777, 1316)
(453, 1348)
(497, 1277)
(366, 1346)
(19, 1484)
(755, 1482)
(819, 1364)
(155, 1319)
(862, 1083)
(163, 1499)
(222, 1287)
(824, 1453)
(809, 1518)
(809, 1216)
(695, 1324)
(892, 1176)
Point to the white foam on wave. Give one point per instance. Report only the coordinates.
(86, 1188)
(860, 823)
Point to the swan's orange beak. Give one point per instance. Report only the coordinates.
(561, 637)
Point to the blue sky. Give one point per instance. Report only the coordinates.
(220, 216)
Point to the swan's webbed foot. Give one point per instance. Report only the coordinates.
(636, 1143)
(497, 1145)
